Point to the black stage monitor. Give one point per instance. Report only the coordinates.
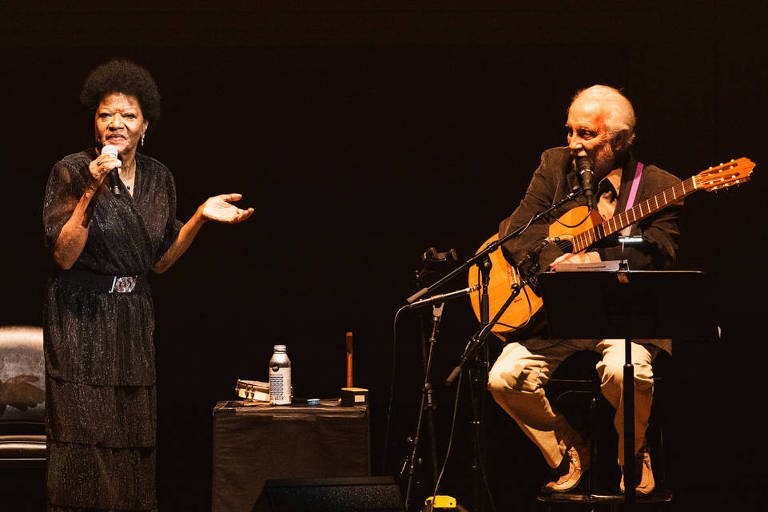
(354, 494)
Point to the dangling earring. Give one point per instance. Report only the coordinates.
(142, 139)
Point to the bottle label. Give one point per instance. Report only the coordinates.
(279, 385)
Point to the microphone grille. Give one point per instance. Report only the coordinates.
(583, 163)
(109, 150)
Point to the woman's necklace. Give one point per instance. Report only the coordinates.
(128, 177)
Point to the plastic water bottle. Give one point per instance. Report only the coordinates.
(279, 377)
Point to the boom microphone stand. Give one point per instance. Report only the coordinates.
(425, 404)
(409, 464)
(478, 375)
(431, 258)
(477, 341)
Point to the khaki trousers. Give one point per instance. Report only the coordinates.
(517, 381)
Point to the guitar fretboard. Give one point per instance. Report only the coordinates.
(638, 212)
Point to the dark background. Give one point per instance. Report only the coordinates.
(363, 133)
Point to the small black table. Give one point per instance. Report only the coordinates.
(253, 444)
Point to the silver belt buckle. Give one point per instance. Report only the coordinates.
(124, 284)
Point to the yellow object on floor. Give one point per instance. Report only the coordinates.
(440, 502)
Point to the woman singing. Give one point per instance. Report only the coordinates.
(110, 217)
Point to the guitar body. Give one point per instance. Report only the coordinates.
(574, 221)
(503, 275)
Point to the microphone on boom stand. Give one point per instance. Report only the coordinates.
(586, 172)
(443, 297)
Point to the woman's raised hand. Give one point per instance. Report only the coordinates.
(220, 209)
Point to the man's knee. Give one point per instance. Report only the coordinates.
(518, 379)
(612, 376)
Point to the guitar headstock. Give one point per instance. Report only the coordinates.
(725, 175)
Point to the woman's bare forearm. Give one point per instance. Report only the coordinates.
(71, 241)
(187, 234)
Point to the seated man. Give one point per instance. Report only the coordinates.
(600, 127)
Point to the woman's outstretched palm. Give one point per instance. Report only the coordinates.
(220, 209)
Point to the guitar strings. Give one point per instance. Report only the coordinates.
(564, 245)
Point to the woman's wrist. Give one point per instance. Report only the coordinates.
(85, 207)
(91, 188)
(198, 217)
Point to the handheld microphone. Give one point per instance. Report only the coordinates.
(109, 150)
(112, 150)
(587, 179)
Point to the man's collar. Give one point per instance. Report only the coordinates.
(611, 181)
(621, 176)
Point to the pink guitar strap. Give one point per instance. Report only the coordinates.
(635, 185)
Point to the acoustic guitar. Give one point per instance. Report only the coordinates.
(576, 231)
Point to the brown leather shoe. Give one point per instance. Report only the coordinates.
(643, 471)
(568, 474)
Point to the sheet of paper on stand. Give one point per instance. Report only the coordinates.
(597, 266)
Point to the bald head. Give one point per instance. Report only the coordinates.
(613, 108)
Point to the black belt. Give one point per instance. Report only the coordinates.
(105, 283)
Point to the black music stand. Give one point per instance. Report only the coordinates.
(628, 304)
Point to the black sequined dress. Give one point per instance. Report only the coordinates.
(99, 347)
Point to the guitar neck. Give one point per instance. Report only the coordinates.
(638, 212)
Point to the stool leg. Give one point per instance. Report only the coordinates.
(592, 446)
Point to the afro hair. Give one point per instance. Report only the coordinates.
(122, 76)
